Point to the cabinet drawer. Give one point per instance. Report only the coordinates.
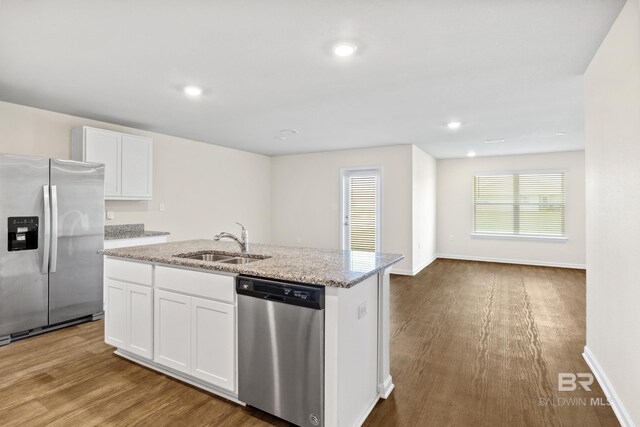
(128, 271)
(205, 285)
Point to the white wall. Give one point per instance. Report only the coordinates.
(305, 192)
(455, 211)
(424, 209)
(612, 95)
(205, 188)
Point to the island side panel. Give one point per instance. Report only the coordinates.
(351, 352)
(385, 385)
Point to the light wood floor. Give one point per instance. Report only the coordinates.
(473, 344)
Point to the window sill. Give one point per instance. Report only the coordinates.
(517, 237)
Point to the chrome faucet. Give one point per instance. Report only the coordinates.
(243, 241)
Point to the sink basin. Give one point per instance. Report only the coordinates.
(239, 260)
(208, 257)
(222, 258)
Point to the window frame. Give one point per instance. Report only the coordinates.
(500, 236)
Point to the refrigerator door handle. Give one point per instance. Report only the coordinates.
(47, 229)
(54, 228)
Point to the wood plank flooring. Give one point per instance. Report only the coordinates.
(478, 344)
(473, 344)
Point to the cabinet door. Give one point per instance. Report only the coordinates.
(213, 342)
(172, 341)
(140, 320)
(136, 166)
(102, 146)
(115, 317)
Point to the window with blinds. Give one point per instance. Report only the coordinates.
(527, 204)
(361, 218)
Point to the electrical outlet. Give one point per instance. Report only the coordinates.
(161, 207)
(111, 215)
(451, 237)
(362, 310)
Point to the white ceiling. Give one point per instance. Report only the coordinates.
(508, 69)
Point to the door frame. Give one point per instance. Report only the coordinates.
(360, 170)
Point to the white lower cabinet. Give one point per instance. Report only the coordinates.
(196, 336)
(172, 330)
(213, 343)
(115, 315)
(183, 320)
(140, 320)
(129, 317)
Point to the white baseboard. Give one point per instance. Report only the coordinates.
(386, 387)
(405, 272)
(616, 404)
(513, 261)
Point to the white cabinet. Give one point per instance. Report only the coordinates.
(196, 336)
(213, 343)
(115, 322)
(140, 320)
(136, 167)
(128, 161)
(104, 147)
(172, 330)
(129, 317)
(182, 321)
(129, 306)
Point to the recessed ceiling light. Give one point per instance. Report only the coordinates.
(344, 49)
(454, 125)
(471, 154)
(193, 90)
(493, 141)
(560, 133)
(289, 132)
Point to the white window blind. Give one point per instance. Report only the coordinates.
(528, 204)
(362, 213)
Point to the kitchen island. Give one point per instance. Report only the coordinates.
(173, 307)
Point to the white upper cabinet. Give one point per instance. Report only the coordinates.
(105, 148)
(128, 161)
(136, 166)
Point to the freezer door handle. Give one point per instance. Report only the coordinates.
(54, 228)
(47, 229)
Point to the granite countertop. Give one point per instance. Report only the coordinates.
(306, 265)
(129, 231)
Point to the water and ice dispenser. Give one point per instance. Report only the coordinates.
(22, 233)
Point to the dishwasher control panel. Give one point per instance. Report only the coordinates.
(290, 293)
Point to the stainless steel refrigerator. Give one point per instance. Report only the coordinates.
(51, 229)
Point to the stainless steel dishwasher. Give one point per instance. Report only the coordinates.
(281, 349)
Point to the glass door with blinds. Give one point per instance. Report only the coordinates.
(361, 210)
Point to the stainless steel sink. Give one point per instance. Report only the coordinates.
(239, 260)
(207, 257)
(217, 257)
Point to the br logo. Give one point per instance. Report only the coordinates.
(568, 381)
